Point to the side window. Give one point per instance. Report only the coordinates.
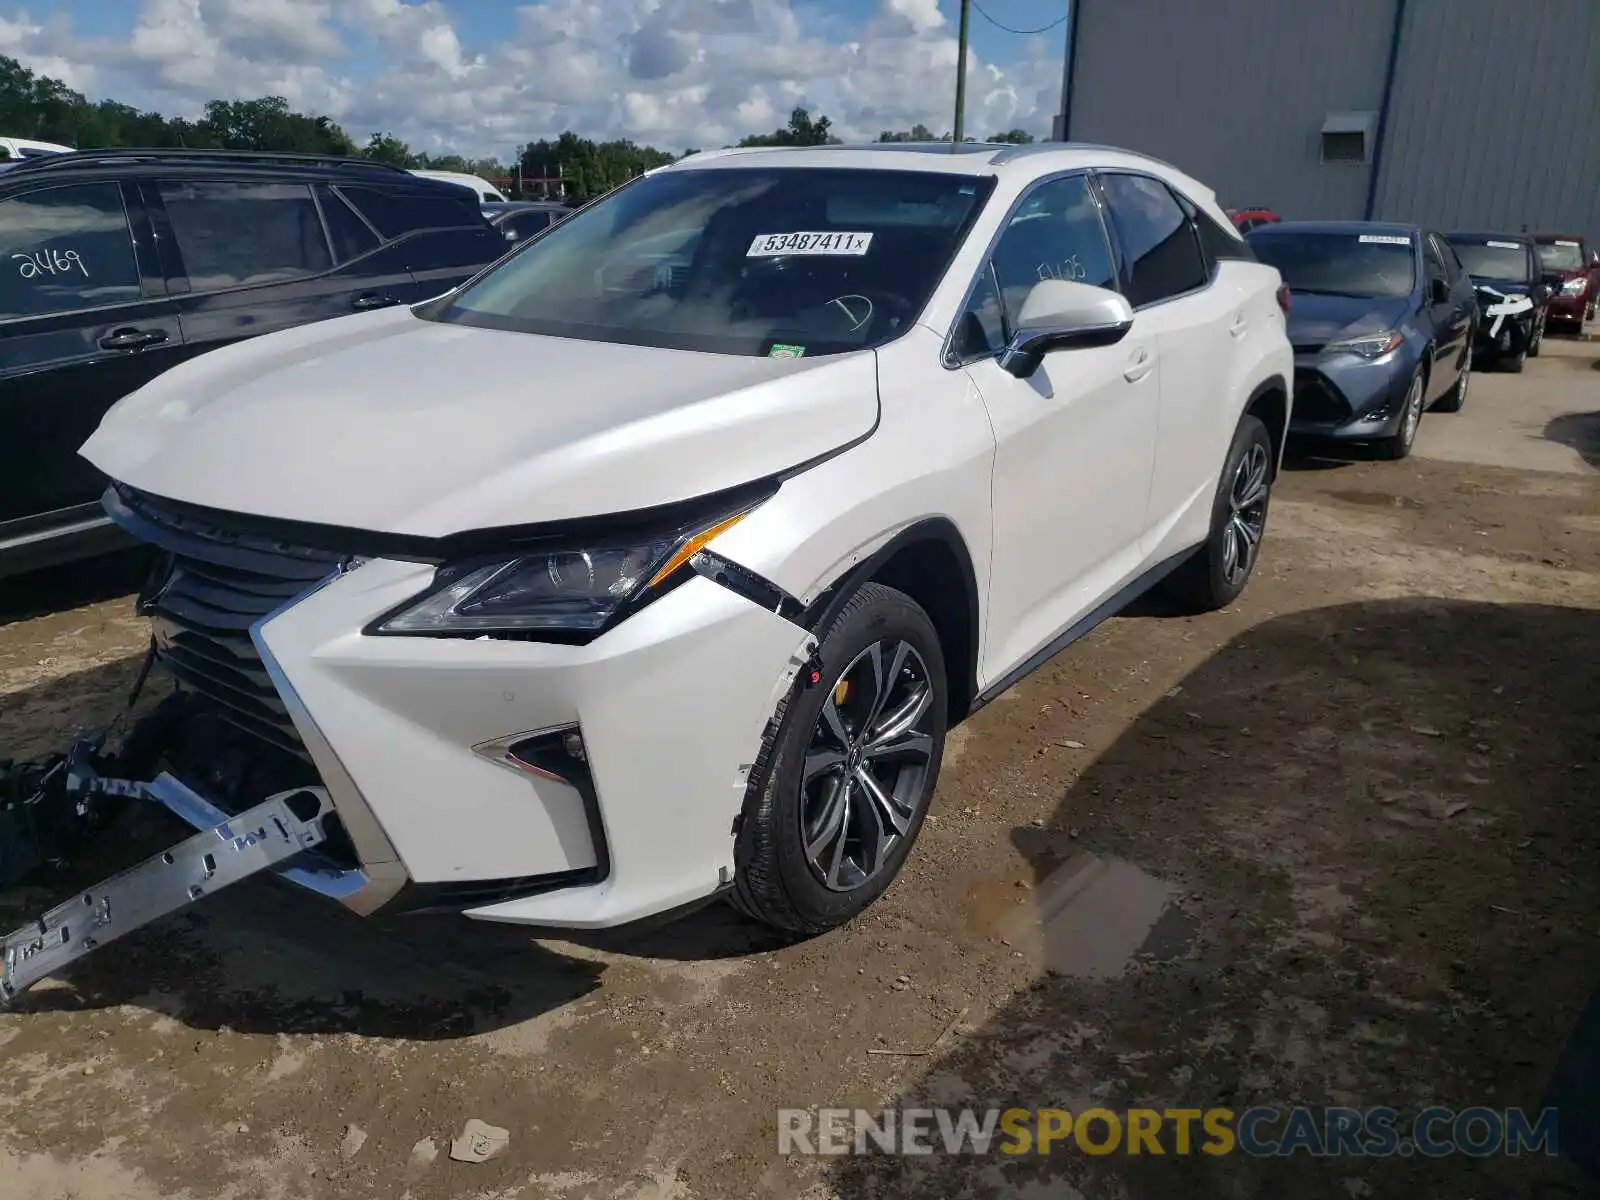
(65, 248)
(525, 225)
(1433, 260)
(394, 211)
(236, 234)
(1056, 233)
(1163, 255)
(351, 236)
(1452, 263)
(983, 326)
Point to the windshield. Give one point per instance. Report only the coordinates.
(1339, 264)
(1494, 258)
(1561, 256)
(783, 261)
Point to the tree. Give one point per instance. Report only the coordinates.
(387, 148)
(1015, 137)
(801, 131)
(917, 133)
(269, 124)
(580, 169)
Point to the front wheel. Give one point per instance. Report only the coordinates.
(1217, 572)
(1536, 339)
(1457, 395)
(844, 777)
(1405, 436)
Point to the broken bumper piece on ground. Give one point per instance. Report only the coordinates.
(226, 850)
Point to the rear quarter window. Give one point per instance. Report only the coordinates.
(395, 211)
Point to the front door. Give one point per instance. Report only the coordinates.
(1074, 441)
(81, 326)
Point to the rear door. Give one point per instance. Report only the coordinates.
(1443, 316)
(84, 320)
(440, 231)
(252, 256)
(1194, 324)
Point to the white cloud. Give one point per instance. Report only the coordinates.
(674, 73)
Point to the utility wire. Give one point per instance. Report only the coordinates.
(1019, 32)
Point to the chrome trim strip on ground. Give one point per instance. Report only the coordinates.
(383, 873)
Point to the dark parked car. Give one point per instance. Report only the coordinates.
(1572, 271)
(1512, 301)
(1380, 317)
(519, 220)
(116, 265)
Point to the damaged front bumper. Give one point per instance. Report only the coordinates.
(269, 836)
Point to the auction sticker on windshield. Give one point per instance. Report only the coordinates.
(770, 245)
(1505, 245)
(1386, 239)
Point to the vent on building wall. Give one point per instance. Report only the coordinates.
(1347, 137)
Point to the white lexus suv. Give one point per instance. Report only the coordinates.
(656, 561)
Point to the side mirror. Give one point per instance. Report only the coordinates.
(1439, 291)
(1541, 293)
(1060, 315)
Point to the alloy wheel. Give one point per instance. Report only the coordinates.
(864, 782)
(1247, 514)
(1466, 375)
(1413, 413)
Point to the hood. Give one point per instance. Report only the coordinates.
(1315, 320)
(389, 423)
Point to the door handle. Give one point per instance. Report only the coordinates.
(132, 339)
(371, 300)
(1138, 366)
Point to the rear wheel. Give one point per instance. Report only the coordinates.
(843, 781)
(1217, 572)
(1405, 436)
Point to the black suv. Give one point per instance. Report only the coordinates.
(118, 264)
(1513, 302)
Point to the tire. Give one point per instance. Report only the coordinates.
(1536, 339)
(777, 880)
(1456, 397)
(1514, 362)
(1211, 578)
(1405, 436)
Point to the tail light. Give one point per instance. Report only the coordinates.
(1283, 298)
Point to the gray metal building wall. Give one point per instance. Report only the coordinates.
(1495, 123)
(1493, 117)
(1233, 91)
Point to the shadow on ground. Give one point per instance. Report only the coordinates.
(1580, 431)
(1377, 827)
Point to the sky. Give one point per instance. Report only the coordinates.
(480, 77)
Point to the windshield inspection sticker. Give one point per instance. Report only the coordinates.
(1386, 239)
(781, 351)
(1505, 245)
(1559, 242)
(770, 245)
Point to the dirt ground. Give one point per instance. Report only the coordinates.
(1368, 791)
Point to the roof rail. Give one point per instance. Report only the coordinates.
(91, 158)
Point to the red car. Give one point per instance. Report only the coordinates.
(1572, 269)
(1248, 218)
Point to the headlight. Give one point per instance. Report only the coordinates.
(1573, 286)
(1369, 345)
(568, 591)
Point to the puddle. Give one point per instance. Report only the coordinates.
(1086, 919)
(1376, 499)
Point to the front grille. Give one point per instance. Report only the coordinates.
(1315, 399)
(211, 585)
